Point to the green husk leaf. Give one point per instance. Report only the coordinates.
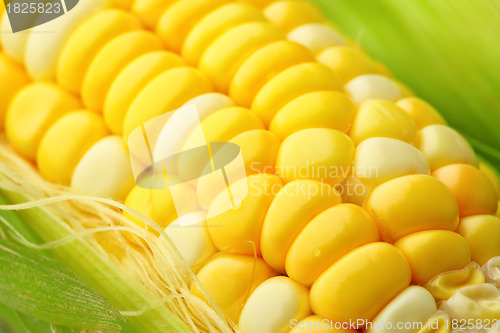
(41, 286)
(446, 51)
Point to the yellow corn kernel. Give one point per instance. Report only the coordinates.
(446, 284)
(104, 171)
(380, 159)
(158, 204)
(326, 238)
(230, 279)
(347, 61)
(262, 66)
(317, 153)
(258, 3)
(482, 233)
(238, 230)
(326, 109)
(227, 53)
(480, 301)
(43, 49)
(192, 240)
(423, 113)
(130, 82)
(273, 305)
(317, 324)
(442, 145)
(373, 86)
(13, 44)
(179, 19)
(214, 25)
(492, 176)
(15, 80)
(413, 305)
(380, 118)
(87, 40)
(150, 11)
(259, 149)
(292, 209)
(31, 113)
(316, 37)
(111, 60)
(361, 283)
(438, 323)
(182, 84)
(289, 14)
(472, 190)
(209, 103)
(124, 4)
(412, 203)
(433, 252)
(292, 82)
(354, 190)
(65, 143)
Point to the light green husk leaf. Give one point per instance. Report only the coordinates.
(447, 51)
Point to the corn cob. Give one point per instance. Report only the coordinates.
(279, 223)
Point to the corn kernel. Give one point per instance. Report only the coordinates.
(317, 324)
(446, 284)
(86, 41)
(130, 82)
(316, 37)
(412, 203)
(180, 18)
(31, 113)
(262, 66)
(230, 279)
(42, 49)
(182, 84)
(348, 62)
(158, 204)
(380, 159)
(17, 79)
(292, 82)
(288, 15)
(361, 283)
(123, 4)
(326, 109)
(492, 176)
(442, 145)
(380, 118)
(480, 301)
(492, 271)
(423, 113)
(370, 86)
(272, 306)
(294, 206)
(438, 323)
(13, 44)
(104, 171)
(238, 230)
(354, 190)
(317, 153)
(433, 252)
(258, 3)
(111, 60)
(413, 305)
(214, 25)
(326, 238)
(482, 233)
(65, 143)
(150, 11)
(471, 188)
(209, 103)
(259, 149)
(192, 241)
(227, 53)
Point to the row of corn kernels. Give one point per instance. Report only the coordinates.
(269, 99)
